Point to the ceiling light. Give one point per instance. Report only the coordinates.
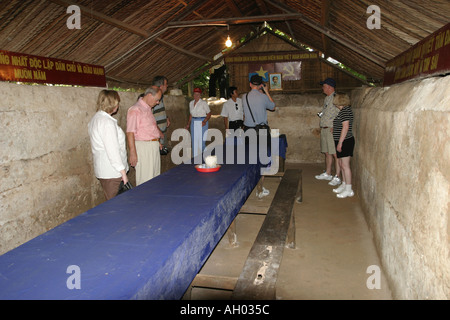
(228, 43)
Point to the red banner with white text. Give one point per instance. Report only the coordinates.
(21, 67)
(429, 57)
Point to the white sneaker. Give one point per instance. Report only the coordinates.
(263, 193)
(340, 188)
(324, 176)
(345, 194)
(335, 181)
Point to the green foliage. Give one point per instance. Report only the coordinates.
(202, 82)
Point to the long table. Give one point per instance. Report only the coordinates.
(148, 243)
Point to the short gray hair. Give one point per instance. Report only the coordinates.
(153, 90)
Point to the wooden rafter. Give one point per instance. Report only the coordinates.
(237, 20)
(104, 18)
(324, 60)
(126, 27)
(327, 32)
(190, 9)
(234, 8)
(210, 64)
(324, 17)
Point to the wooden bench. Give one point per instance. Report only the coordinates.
(259, 276)
(260, 272)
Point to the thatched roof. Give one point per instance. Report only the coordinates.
(136, 40)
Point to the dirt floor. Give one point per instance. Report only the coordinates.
(334, 247)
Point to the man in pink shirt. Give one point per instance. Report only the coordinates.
(143, 136)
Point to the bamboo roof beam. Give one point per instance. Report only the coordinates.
(326, 31)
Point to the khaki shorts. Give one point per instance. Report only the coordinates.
(327, 141)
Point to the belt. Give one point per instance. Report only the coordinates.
(324, 127)
(198, 117)
(149, 140)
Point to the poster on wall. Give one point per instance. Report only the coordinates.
(19, 67)
(275, 81)
(262, 70)
(289, 70)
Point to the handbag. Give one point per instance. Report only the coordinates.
(124, 187)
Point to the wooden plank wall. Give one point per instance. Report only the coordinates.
(313, 71)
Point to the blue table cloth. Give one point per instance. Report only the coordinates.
(147, 243)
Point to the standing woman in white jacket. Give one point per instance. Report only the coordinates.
(108, 144)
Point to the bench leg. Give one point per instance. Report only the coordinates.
(259, 186)
(290, 241)
(232, 236)
(298, 195)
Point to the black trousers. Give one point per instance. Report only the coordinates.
(220, 76)
(238, 124)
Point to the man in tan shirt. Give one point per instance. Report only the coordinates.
(327, 115)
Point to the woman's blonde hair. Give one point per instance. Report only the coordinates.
(107, 100)
(341, 99)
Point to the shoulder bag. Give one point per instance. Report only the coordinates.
(260, 126)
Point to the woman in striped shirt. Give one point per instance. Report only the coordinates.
(345, 143)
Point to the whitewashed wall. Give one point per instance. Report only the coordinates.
(402, 168)
(46, 166)
(45, 159)
(296, 116)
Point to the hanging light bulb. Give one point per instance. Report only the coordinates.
(228, 43)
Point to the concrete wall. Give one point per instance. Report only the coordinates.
(45, 157)
(296, 116)
(402, 171)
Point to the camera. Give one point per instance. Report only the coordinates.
(262, 89)
(320, 114)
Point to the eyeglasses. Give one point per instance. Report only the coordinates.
(236, 106)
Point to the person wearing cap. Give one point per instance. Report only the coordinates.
(259, 100)
(199, 114)
(143, 136)
(327, 146)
